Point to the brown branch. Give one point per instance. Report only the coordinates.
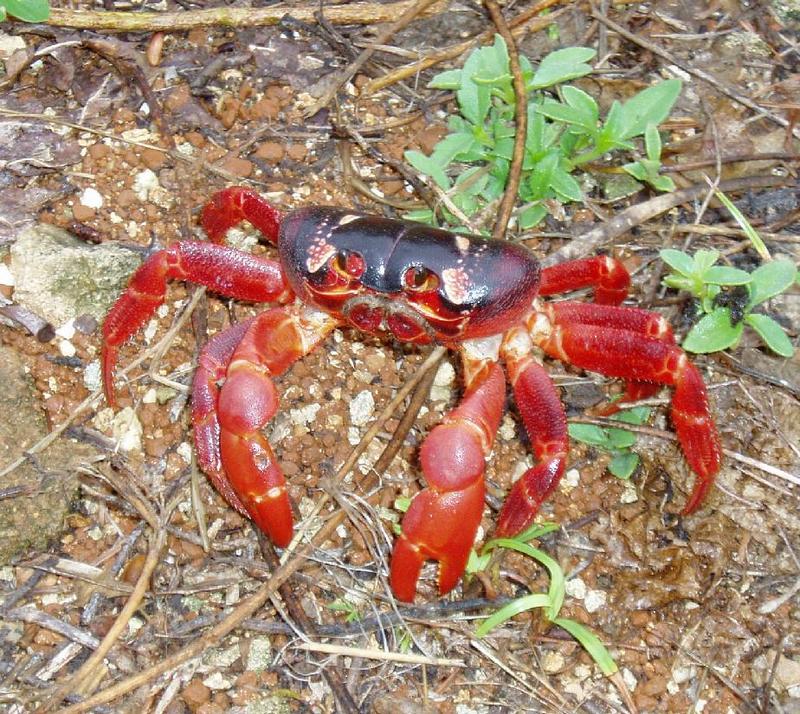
(520, 121)
(346, 74)
(357, 13)
(641, 212)
(522, 23)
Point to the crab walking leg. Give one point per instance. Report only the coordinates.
(546, 423)
(212, 365)
(643, 322)
(231, 206)
(223, 270)
(608, 276)
(443, 518)
(248, 400)
(627, 354)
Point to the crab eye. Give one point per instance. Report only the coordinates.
(420, 279)
(348, 264)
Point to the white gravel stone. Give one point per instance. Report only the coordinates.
(594, 600)
(91, 198)
(362, 408)
(127, 430)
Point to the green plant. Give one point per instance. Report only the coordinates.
(26, 10)
(618, 442)
(562, 134)
(347, 608)
(550, 602)
(728, 297)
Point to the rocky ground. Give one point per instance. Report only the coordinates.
(109, 145)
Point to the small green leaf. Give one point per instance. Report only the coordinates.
(678, 260)
(703, 260)
(635, 415)
(583, 104)
(589, 434)
(621, 438)
(531, 216)
(623, 465)
(591, 643)
(26, 10)
(723, 275)
(565, 186)
(771, 332)
(652, 143)
(662, 183)
(562, 66)
(477, 563)
(770, 280)
(451, 79)
(523, 604)
(429, 167)
(473, 99)
(713, 333)
(557, 589)
(650, 106)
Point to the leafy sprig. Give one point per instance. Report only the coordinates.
(728, 297)
(565, 132)
(617, 442)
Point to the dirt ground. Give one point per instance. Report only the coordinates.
(120, 137)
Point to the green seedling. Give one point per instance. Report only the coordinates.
(728, 297)
(563, 134)
(550, 602)
(617, 442)
(647, 169)
(347, 608)
(25, 10)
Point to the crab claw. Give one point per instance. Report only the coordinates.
(443, 519)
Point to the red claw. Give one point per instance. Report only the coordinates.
(443, 519)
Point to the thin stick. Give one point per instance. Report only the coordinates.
(710, 79)
(357, 13)
(367, 653)
(527, 19)
(520, 122)
(78, 681)
(349, 72)
(641, 212)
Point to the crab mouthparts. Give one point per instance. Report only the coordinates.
(376, 315)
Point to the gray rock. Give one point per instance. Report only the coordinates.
(33, 518)
(60, 277)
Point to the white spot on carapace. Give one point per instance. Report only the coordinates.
(462, 243)
(348, 218)
(318, 254)
(456, 284)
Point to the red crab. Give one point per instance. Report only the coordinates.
(415, 284)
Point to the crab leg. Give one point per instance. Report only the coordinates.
(546, 423)
(643, 322)
(608, 276)
(212, 364)
(632, 355)
(443, 518)
(224, 270)
(245, 404)
(231, 206)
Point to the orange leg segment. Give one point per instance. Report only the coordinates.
(543, 415)
(631, 355)
(608, 276)
(443, 518)
(224, 270)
